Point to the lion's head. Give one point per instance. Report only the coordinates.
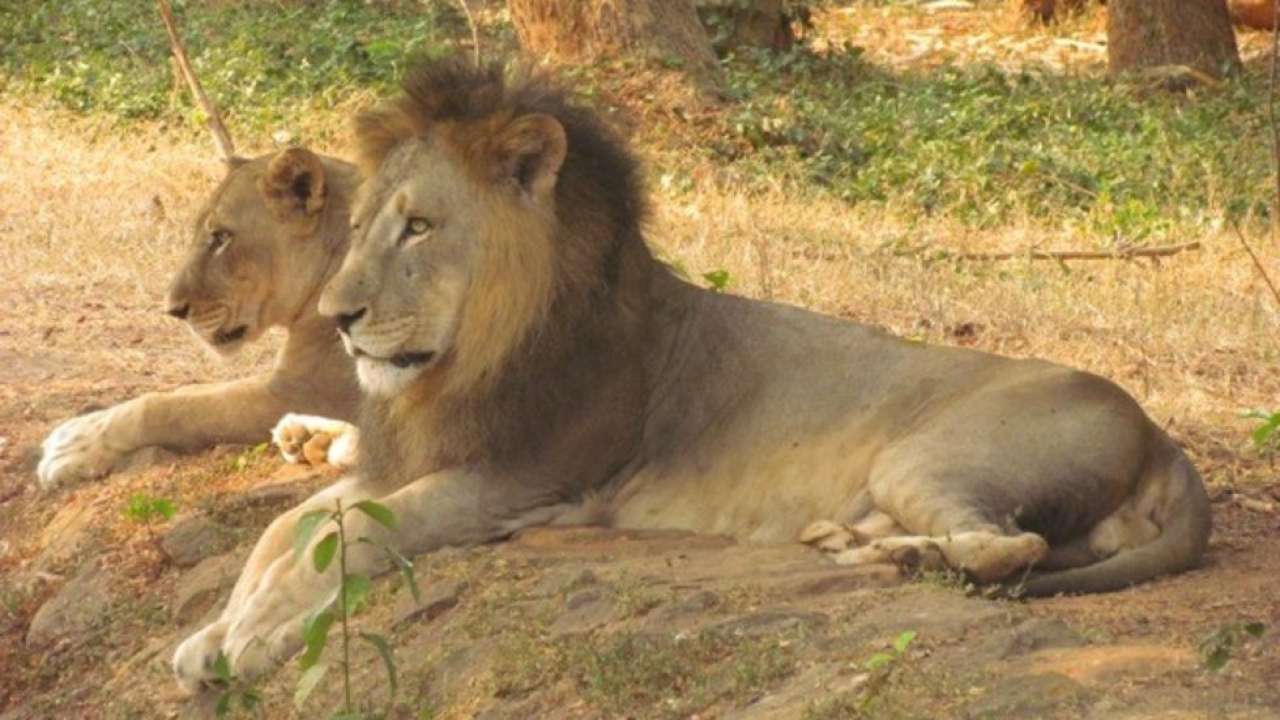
(262, 246)
(492, 210)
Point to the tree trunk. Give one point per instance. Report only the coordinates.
(1162, 33)
(666, 31)
(758, 23)
(1256, 14)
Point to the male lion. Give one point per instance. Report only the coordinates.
(264, 244)
(526, 361)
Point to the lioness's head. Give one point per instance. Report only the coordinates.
(261, 246)
(485, 201)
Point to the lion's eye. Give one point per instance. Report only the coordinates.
(417, 226)
(218, 241)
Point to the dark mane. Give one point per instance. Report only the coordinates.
(545, 399)
(599, 173)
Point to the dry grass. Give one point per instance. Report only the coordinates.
(86, 209)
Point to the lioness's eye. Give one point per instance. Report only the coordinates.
(218, 240)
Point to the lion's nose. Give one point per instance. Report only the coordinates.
(180, 311)
(346, 320)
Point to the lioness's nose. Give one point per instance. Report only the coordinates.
(180, 311)
(346, 320)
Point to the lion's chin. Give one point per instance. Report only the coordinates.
(387, 379)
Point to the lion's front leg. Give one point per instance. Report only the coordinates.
(263, 623)
(194, 658)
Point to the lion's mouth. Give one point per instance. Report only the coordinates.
(225, 337)
(401, 360)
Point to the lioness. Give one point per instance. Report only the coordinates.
(527, 361)
(273, 232)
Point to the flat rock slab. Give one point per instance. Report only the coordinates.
(80, 605)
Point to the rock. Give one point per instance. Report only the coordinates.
(437, 600)
(585, 611)
(1038, 634)
(66, 536)
(198, 588)
(771, 622)
(80, 605)
(1030, 696)
(194, 538)
(1104, 663)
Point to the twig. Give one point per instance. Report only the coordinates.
(1271, 110)
(220, 134)
(1121, 254)
(475, 34)
(1257, 264)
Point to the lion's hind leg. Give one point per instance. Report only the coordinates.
(315, 440)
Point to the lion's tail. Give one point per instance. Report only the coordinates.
(1184, 535)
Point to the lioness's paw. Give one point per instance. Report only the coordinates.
(77, 450)
(314, 440)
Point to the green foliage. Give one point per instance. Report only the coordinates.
(717, 279)
(1216, 649)
(260, 62)
(249, 457)
(145, 509)
(233, 692)
(1266, 437)
(988, 145)
(352, 592)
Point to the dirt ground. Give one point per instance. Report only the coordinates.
(587, 623)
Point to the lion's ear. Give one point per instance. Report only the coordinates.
(293, 184)
(530, 151)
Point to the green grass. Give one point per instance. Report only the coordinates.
(262, 62)
(1118, 163)
(989, 146)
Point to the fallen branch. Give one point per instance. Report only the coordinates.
(220, 134)
(475, 33)
(1119, 254)
(1258, 263)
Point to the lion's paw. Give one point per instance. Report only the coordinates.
(77, 450)
(195, 658)
(314, 440)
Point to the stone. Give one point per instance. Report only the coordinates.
(198, 589)
(195, 538)
(80, 605)
(439, 598)
(67, 535)
(1031, 696)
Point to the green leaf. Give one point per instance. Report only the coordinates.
(719, 279)
(354, 590)
(903, 641)
(222, 667)
(306, 528)
(879, 660)
(307, 683)
(388, 659)
(402, 563)
(1255, 629)
(164, 508)
(380, 513)
(250, 698)
(325, 549)
(223, 709)
(1217, 658)
(315, 632)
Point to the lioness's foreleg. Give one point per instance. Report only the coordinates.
(188, 418)
(262, 624)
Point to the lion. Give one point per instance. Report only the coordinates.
(264, 244)
(527, 361)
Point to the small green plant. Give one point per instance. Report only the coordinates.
(234, 691)
(249, 457)
(718, 279)
(1266, 437)
(149, 511)
(352, 591)
(1216, 649)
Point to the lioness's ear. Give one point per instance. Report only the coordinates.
(293, 184)
(530, 151)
